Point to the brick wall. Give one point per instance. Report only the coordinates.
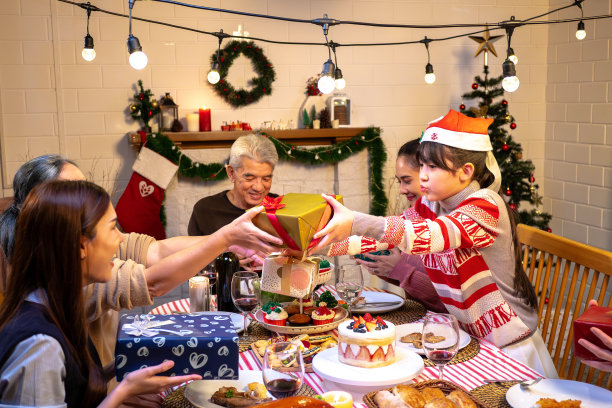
(578, 158)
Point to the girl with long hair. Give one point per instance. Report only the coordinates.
(66, 238)
(465, 234)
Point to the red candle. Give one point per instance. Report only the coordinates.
(204, 119)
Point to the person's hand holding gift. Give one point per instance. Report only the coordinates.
(243, 233)
(383, 264)
(337, 229)
(603, 354)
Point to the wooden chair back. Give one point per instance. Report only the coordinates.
(566, 274)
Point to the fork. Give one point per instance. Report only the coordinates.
(524, 384)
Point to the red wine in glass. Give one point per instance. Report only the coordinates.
(283, 387)
(441, 356)
(246, 304)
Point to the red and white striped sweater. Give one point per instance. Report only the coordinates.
(466, 246)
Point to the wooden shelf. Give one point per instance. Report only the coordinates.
(219, 139)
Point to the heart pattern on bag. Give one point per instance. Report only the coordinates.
(136, 339)
(207, 374)
(217, 339)
(145, 189)
(210, 344)
(120, 361)
(143, 352)
(129, 345)
(223, 351)
(178, 350)
(159, 341)
(224, 371)
(185, 370)
(192, 342)
(197, 360)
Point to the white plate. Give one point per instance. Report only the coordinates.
(237, 319)
(379, 297)
(590, 395)
(404, 329)
(199, 392)
(406, 366)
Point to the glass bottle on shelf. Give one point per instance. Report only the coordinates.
(225, 265)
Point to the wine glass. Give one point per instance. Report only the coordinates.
(440, 339)
(349, 283)
(283, 369)
(244, 295)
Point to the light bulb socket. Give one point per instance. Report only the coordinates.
(580, 26)
(510, 51)
(133, 44)
(88, 42)
(328, 68)
(429, 68)
(214, 66)
(508, 68)
(338, 74)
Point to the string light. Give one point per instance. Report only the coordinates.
(512, 57)
(339, 79)
(430, 77)
(138, 59)
(213, 74)
(327, 81)
(88, 52)
(580, 32)
(510, 83)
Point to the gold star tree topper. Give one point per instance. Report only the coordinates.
(485, 43)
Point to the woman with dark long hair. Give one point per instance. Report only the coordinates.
(66, 238)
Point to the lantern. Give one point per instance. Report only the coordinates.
(168, 112)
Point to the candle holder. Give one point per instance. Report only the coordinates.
(168, 113)
(199, 294)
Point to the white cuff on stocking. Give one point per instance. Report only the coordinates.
(155, 167)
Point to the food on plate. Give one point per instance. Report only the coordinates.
(232, 397)
(386, 399)
(306, 302)
(430, 393)
(553, 403)
(359, 301)
(324, 266)
(409, 395)
(440, 403)
(327, 299)
(339, 399)
(274, 314)
(292, 309)
(461, 399)
(366, 342)
(310, 345)
(323, 315)
(291, 402)
(300, 319)
(416, 339)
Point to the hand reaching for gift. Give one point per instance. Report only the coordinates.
(243, 233)
(602, 353)
(383, 264)
(337, 229)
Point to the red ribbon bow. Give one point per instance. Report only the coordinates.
(271, 203)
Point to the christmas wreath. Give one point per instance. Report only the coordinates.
(262, 84)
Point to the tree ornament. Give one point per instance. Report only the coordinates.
(504, 103)
(513, 126)
(474, 86)
(508, 118)
(508, 192)
(505, 147)
(339, 151)
(261, 65)
(133, 108)
(154, 104)
(462, 107)
(549, 230)
(316, 157)
(513, 206)
(532, 179)
(532, 188)
(289, 152)
(518, 156)
(143, 109)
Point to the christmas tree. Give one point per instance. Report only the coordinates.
(144, 107)
(518, 181)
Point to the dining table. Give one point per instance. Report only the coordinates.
(470, 369)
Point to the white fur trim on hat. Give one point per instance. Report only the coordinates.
(469, 141)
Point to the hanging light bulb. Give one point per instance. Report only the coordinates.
(340, 82)
(510, 83)
(88, 52)
(580, 32)
(327, 83)
(213, 74)
(138, 59)
(430, 77)
(512, 57)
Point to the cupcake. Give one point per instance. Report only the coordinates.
(324, 266)
(274, 314)
(299, 320)
(322, 315)
(306, 302)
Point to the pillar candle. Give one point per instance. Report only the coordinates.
(204, 119)
(193, 122)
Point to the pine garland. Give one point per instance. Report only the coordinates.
(368, 139)
(261, 65)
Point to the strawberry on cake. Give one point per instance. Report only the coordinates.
(366, 342)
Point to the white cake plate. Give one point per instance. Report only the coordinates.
(407, 365)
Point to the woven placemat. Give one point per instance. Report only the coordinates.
(177, 398)
(256, 332)
(410, 312)
(494, 394)
(465, 354)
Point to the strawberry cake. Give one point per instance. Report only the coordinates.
(366, 342)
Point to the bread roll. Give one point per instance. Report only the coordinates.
(461, 399)
(385, 399)
(440, 403)
(430, 393)
(410, 395)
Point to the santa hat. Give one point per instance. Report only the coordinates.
(460, 131)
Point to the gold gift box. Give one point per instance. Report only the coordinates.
(302, 216)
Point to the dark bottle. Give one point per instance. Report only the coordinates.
(225, 265)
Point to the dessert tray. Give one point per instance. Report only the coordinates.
(341, 314)
(324, 274)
